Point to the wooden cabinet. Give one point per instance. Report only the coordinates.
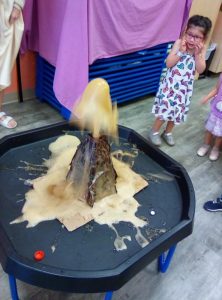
(216, 64)
(210, 9)
(207, 8)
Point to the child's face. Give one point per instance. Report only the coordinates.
(194, 36)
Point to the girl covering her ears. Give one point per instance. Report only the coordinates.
(173, 97)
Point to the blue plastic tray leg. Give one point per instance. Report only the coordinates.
(13, 287)
(164, 261)
(108, 296)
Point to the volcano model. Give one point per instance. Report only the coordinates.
(92, 171)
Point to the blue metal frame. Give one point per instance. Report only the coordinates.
(108, 296)
(163, 264)
(131, 75)
(13, 287)
(164, 260)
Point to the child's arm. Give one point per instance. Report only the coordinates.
(200, 53)
(176, 52)
(211, 94)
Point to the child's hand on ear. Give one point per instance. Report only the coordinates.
(183, 45)
(198, 48)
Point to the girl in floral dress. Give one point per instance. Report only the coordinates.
(213, 124)
(173, 97)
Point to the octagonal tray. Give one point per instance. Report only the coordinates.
(85, 260)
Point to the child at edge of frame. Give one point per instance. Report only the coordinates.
(213, 125)
(172, 100)
(213, 205)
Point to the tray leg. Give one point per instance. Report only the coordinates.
(108, 295)
(164, 261)
(13, 287)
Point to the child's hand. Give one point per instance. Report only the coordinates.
(14, 15)
(183, 45)
(198, 48)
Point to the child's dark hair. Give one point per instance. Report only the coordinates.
(200, 21)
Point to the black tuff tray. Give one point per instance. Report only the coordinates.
(85, 260)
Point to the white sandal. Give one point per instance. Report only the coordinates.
(214, 154)
(6, 120)
(202, 151)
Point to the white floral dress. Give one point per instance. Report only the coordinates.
(173, 97)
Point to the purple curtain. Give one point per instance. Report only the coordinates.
(72, 34)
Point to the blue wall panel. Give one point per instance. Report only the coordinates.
(130, 76)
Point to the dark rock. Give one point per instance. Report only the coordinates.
(91, 170)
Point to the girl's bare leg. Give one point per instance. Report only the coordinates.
(208, 138)
(157, 125)
(217, 142)
(169, 127)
